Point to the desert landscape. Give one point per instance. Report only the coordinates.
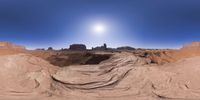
(110, 74)
(99, 50)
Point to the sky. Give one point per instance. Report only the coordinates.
(136, 23)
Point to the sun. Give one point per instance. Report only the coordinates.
(99, 29)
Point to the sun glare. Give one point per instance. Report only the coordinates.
(99, 29)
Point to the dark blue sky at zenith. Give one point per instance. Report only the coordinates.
(137, 23)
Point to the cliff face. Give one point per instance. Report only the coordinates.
(10, 46)
(192, 45)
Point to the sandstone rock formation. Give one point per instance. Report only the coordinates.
(8, 45)
(100, 48)
(50, 48)
(127, 77)
(134, 75)
(187, 51)
(24, 75)
(7, 48)
(81, 58)
(125, 48)
(192, 45)
(78, 47)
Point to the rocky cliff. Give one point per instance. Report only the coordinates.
(8, 45)
(192, 45)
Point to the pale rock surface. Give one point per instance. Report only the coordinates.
(25, 75)
(122, 77)
(126, 77)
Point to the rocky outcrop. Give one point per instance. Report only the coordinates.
(192, 45)
(50, 48)
(8, 45)
(125, 77)
(187, 51)
(103, 47)
(82, 58)
(25, 75)
(77, 47)
(156, 56)
(125, 48)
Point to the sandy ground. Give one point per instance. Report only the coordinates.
(122, 77)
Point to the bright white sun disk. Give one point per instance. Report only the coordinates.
(99, 29)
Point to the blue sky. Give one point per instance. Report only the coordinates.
(137, 23)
